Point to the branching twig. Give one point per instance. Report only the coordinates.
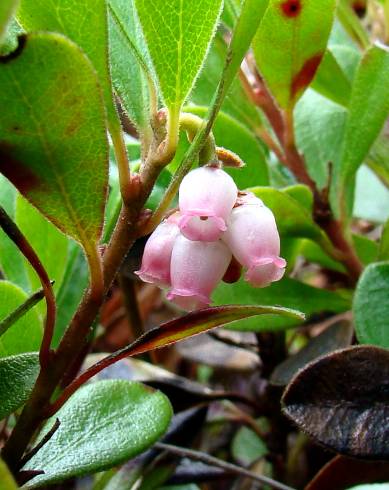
(212, 461)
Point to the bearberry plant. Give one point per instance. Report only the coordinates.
(172, 166)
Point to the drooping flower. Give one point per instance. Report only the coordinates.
(253, 238)
(196, 269)
(206, 198)
(157, 254)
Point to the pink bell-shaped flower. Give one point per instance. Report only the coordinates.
(253, 238)
(196, 269)
(206, 198)
(156, 258)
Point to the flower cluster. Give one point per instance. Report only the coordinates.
(191, 251)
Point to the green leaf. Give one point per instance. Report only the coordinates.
(371, 200)
(6, 477)
(70, 293)
(313, 253)
(366, 249)
(319, 126)
(247, 447)
(7, 9)
(290, 44)
(331, 81)
(232, 135)
(17, 378)
(291, 293)
(12, 263)
(53, 147)
(25, 335)
(103, 425)
(363, 124)
(85, 23)
(378, 157)
(371, 305)
(50, 245)
(178, 35)
(129, 61)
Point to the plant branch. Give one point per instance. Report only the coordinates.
(43, 441)
(21, 310)
(212, 461)
(119, 147)
(21, 242)
(127, 286)
(283, 126)
(75, 337)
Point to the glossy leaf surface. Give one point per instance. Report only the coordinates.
(292, 293)
(290, 44)
(100, 428)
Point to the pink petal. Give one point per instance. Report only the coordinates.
(155, 266)
(206, 198)
(266, 271)
(196, 269)
(252, 234)
(203, 228)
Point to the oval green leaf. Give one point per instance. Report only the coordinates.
(178, 34)
(102, 425)
(17, 377)
(371, 310)
(363, 124)
(290, 44)
(53, 144)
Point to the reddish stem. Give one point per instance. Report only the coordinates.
(21, 242)
(283, 127)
